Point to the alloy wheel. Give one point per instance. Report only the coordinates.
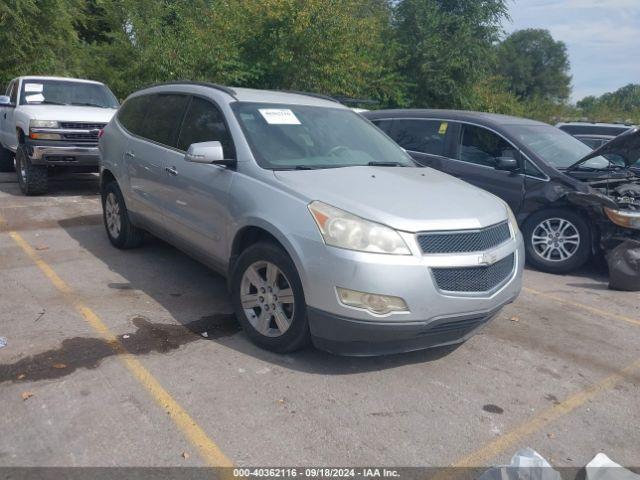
(112, 215)
(267, 299)
(555, 239)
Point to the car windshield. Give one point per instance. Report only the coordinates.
(62, 92)
(556, 147)
(305, 137)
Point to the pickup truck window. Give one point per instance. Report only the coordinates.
(66, 92)
(13, 92)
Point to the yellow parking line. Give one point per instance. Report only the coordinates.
(210, 452)
(503, 442)
(581, 306)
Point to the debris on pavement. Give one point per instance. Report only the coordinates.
(27, 395)
(42, 247)
(3, 342)
(21, 376)
(205, 334)
(126, 335)
(515, 318)
(602, 467)
(526, 463)
(59, 366)
(41, 314)
(185, 455)
(624, 267)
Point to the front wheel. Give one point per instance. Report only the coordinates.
(33, 179)
(268, 299)
(557, 240)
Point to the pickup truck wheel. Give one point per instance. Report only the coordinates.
(557, 240)
(121, 232)
(6, 160)
(268, 299)
(33, 179)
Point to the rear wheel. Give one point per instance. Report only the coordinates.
(6, 160)
(268, 299)
(557, 240)
(121, 232)
(33, 179)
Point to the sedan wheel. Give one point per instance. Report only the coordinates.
(267, 299)
(555, 239)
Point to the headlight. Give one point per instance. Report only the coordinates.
(624, 218)
(43, 124)
(512, 220)
(344, 230)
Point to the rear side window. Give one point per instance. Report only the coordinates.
(204, 122)
(132, 114)
(482, 147)
(423, 136)
(164, 114)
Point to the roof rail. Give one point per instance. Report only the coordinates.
(311, 94)
(222, 88)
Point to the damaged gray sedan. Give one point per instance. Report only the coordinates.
(570, 201)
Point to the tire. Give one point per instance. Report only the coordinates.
(272, 333)
(121, 232)
(561, 253)
(33, 179)
(6, 160)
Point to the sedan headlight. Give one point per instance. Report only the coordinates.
(344, 230)
(624, 218)
(43, 124)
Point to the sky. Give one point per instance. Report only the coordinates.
(602, 38)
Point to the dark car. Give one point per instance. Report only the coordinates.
(594, 134)
(570, 201)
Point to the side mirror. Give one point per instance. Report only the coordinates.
(209, 153)
(508, 164)
(5, 101)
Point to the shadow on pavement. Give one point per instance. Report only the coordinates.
(172, 278)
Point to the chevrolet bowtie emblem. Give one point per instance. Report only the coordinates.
(488, 258)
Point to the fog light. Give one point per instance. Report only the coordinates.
(374, 303)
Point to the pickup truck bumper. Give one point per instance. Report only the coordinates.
(63, 154)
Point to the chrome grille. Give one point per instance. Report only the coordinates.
(474, 279)
(81, 137)
(465, 241)
(82, 125)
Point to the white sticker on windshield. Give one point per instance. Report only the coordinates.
(33, 87)
(279, 116)
(38, 97)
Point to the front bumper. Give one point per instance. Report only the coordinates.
(348, 330)
(346, 336)
(63, 154)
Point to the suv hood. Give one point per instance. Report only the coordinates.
(627, 145)
(404, 198)
(69, 113)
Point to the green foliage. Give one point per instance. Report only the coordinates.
(422, 53)
(446, 47)
(535, 66)
(38, 37)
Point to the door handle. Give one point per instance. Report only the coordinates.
(129, 154)
(171, 171)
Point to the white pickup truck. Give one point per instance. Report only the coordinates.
(51, 123)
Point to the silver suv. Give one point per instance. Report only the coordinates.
(325, 228)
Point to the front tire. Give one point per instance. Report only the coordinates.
(6, 160)
(33, 179)
(268, 299)
(557, 240)
(121, 232)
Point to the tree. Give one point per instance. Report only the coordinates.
(535, 66)
(446, 47)
(38, 37)
(622, 105)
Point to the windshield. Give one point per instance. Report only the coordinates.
(301, 137)
(61, 92)
(556, 147)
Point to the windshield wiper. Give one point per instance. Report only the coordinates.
(87, 104)
(385, 164)
(46, 102)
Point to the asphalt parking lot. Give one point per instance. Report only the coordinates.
(106, 365)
